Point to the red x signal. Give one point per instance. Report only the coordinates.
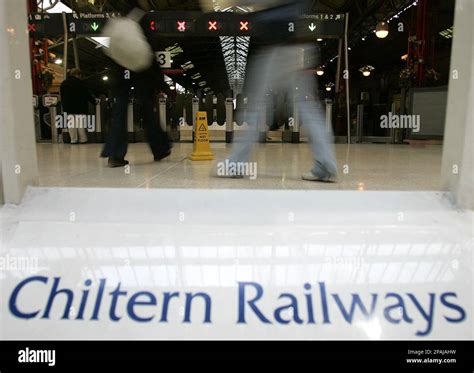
(31, 27)
(212, 25)
(244, 25)
(181, 26)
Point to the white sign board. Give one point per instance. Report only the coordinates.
(50, 100)
(164, 59)
(195, 273)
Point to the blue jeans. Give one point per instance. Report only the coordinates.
(281, 67)
(117, 142)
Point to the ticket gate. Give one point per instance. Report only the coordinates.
(97, 135)
(287, 119)
(367, 125)
(37, 119)
(51, 102)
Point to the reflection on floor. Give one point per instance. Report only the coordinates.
(372, 265)
(279, 166)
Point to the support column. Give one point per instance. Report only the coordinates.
(458, 166)
(18, 167)
(229, 120)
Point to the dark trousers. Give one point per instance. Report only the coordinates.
(117, 142)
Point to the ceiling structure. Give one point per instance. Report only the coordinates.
(221, 61)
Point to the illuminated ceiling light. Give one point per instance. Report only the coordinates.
(187, 66)
(174, 49)
(320, 70)
(319, 39)
(58, 61)
(172, 87)
(405, 57)
(381, 30)
(105, 78)
(448, 33)
(366, 70)
(415, 3)
(329, 86)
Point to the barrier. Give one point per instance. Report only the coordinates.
(284, 117)
(130, 126)
(51, 102)
(328, 103)
(36, 116)
(229, 120)
(195, 111)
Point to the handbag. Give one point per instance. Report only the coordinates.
(128, 45)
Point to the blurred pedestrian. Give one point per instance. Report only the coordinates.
(279, 65)
(144, 80)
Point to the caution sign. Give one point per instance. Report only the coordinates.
(202, 149)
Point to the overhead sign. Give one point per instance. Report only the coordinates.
(173, 24)
(77, 23)
(163, 58)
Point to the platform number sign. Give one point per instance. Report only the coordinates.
(163, 59)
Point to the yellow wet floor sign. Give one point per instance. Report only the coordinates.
(202, 149)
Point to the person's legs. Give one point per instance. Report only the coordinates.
(73, 134)
(325, 166)
(157, 138)
(116, 145)
(312, 115)
(82, 134)
(259, 78)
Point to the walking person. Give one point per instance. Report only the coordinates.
(279, 65)
(146, 82)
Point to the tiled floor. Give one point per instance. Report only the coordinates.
(279, 166)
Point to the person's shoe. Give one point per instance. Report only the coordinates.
(162, 155)
(322, 176)
(309, 176)
(320, 173)
(117, 162)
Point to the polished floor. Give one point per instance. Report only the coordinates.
(279, 166)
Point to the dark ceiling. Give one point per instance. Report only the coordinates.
(206, 52)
